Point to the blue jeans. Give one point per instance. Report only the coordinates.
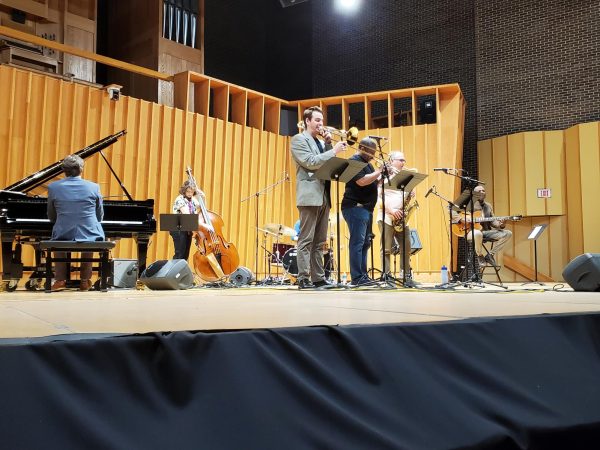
(360, 222)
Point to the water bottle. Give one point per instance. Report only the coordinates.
(344, 278)
(444, 273)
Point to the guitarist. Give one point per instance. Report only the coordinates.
(491, 231)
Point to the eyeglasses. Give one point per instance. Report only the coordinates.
(397, 159)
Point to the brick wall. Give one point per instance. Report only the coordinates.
(522, 64)
(391, 44)
(538, 64)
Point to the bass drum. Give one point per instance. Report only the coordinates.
(242, 276)
(290, 263)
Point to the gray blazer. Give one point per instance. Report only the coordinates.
(308, 158)
(75, 207)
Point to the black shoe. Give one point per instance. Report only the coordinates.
(322, 283)
(410, 283)
(489, 258)
(305, 283)
(363, 281)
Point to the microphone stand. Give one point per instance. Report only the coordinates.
(386, 277)
(451, 206)
(257, 196)
(476, 278)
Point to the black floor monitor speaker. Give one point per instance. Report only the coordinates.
(583, 272)
(123, 273)
(168, 274)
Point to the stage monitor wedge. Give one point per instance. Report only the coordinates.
(583, 272)
(168, 274)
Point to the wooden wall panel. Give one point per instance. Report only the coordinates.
(535, 172)
(486, 167)
(590, 180)
(574, 191)
(518, 177)
(501, 193)
(554, 156)
(567, 162)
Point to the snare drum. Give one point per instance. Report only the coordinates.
(290, 262)
(278, 251)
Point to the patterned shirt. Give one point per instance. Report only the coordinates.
(191, 206)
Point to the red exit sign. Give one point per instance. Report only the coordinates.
(544, 193)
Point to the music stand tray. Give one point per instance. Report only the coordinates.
(179, 222)
(406, 180)
(339, 169)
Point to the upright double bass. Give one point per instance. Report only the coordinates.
(216, 258)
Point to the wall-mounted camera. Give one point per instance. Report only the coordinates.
(114, 91)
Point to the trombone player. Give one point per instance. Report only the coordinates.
(312, 195)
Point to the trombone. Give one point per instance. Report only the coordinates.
(350, 137)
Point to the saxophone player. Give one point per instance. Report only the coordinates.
(395, 207)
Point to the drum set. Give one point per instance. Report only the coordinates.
(283, 256)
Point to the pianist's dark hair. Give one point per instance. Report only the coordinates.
(72, 165)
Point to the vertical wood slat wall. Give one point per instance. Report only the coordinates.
(48, 118)
(567, 162)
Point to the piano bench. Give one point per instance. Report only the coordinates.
(101, 247)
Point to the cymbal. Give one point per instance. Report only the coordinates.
(277, 228)
(265, 231)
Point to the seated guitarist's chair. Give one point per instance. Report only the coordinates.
(488, 245)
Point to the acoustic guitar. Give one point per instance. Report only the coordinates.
(459, 229)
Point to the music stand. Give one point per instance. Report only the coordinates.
(536, 231)
(463, 201)
(339, 169)
(179, 222)
(405, 181)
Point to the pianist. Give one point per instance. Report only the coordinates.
(75, 208)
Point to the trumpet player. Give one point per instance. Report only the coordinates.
(395, 208)
(312, 195)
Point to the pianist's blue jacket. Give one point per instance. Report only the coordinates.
(75, 207)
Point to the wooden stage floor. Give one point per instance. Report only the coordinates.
(33, 314)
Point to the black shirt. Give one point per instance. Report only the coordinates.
(355, 195)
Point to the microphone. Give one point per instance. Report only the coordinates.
(431, 189)
(378, 138)
(443, 169)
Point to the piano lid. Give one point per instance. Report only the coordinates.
(42, 176)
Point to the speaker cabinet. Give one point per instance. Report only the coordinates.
(123, 273)
(168, 274)
(583, 272)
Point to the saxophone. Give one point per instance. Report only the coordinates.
(409, 208)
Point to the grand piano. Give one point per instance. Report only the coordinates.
(24, 220)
